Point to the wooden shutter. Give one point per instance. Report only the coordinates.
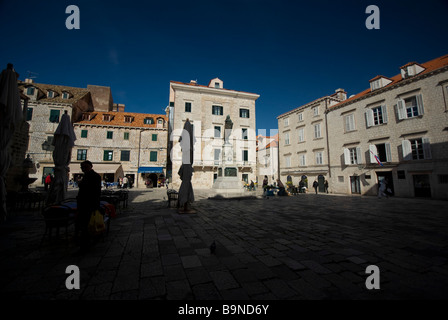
(426, 148)
(372, 148)
(401, 110)
(369, 117)
(347, 156)
(419, 100)
(407, 149)
(384, 112)
(388, 153)
(358, 155)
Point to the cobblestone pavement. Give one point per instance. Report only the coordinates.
(299, 247)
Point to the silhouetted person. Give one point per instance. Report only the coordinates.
(326, 186)
(88, 200)
(315, 185)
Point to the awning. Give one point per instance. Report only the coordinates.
(97, 167)
(150, 170)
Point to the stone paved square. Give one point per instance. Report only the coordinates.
(298, 247)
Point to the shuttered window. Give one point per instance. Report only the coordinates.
(410, 107)
(416, 149)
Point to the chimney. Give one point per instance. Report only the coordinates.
(118, 107)
(28, 80)
(341, 94)
(193, 82)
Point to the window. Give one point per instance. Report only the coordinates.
(108, 155)
(376, 116)
(217, 155)
(160, 121)
(401, 174)
(301, 116)
(286, 122)
(65, 95)
(352, 156)
(216, 84)
(148, 121)
(154, 137)
(125, 155)
(382, 151)
(244, 135)
(84, 133)
(349, 122)
(315, 111)
(82, 154)
(244, 113)
(217, 110)
(153, 156)
(245, 155)
(126, 136)
(187, 106)
(128, 119)
(50, 94)
(302, 160)
(30, 91)
(29, 114)
(416, 149)
(317, 131)
(286, 138)
(443, 178)
(54, 116)
(410, 107)
(217, 132)
(319, 157)
(288, 161)
(301, 133)
(109, 134)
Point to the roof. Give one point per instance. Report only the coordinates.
(429, 66)
(272, 144)
(332, 96)
(119, 117)
(75, 93)
(194, 84)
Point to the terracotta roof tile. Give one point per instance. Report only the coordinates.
(118, 119)
(429, 66)
(75, 93)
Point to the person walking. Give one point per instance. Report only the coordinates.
(382, 189)
(315, 185)
(47, 182)
(326, 185)
(88, 200)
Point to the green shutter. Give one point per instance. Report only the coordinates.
(154, 137)
(153, 156)
(84, 133)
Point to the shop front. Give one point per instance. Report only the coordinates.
(151, 177)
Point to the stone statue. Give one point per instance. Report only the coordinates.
(227, 129)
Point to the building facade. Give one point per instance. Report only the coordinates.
(122, 144)
(303, 141)
(207, 107)
(267, 159)
(46, 105)
(395, 130)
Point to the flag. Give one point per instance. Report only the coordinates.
(377, 159)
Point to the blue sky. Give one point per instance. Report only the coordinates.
(289, 52)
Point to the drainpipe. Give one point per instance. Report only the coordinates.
(138, 159)
(327, 137)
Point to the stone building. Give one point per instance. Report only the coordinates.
(303, 141)
(46, 105)
(396, 130)
(207, 107)
(267, 158)
(122, 144)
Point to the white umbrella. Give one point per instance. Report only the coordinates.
(186, 194)
(10, 116)
(63, 141)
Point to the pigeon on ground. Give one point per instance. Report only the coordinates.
(213, 247)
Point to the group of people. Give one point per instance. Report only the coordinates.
(301, 188)
(125, 182)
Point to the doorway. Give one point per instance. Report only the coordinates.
(321, 180)
(390, 182)
(355, 185)
(422, 187)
